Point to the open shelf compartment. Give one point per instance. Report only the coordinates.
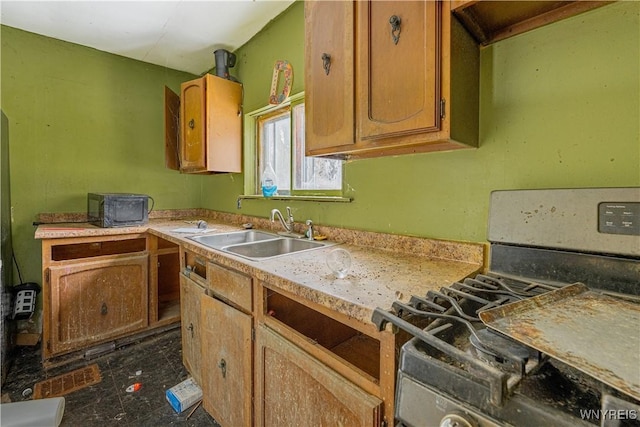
(358, 349)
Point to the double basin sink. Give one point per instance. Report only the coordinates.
(257, 245)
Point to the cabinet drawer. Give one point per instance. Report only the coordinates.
(97, 248)
(230, 285)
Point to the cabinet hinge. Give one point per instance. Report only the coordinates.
(253, 334)
(443, 104)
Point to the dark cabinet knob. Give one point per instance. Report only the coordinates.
(395, 28)
(223, 367)
(103, 309)
(326, 63)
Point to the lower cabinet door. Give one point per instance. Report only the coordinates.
(295, 389)
(94, 301)
(190, 293)
(226, 362)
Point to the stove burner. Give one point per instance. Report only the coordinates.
(500, 351)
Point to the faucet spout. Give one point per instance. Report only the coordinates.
(287, 224)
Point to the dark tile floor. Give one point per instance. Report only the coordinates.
(107, 403)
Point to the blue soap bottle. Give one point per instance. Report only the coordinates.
(269, 186)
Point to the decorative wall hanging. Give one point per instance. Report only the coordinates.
(281, 67)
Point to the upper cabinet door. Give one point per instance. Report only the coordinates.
(398, 68)
(329, 79)
(224, 125)
(193, 116)
(171, 129)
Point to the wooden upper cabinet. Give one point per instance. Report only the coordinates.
(329, 78)
(399, 84)
(416, 80)
(194, 115)
(209, 122)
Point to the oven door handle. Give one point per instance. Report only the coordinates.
(496, 379)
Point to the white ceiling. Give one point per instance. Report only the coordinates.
(177, 34)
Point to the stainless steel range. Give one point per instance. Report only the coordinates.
(548, 336)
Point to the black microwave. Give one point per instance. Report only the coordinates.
(117, 209)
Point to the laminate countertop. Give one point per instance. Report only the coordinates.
(384, 267)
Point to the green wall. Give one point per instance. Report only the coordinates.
(82, 121)
(560, 107)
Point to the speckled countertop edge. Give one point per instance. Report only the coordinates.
(385, 267)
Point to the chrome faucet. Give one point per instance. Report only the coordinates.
(310, 230)
(287, 224)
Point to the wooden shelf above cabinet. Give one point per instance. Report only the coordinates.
(492, 21)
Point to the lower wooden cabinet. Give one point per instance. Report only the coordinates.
(270, 358)
(295, 389)
(190, 293)
(94, 301)
(226, 362)
(99, 289)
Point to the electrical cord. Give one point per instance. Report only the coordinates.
(153, 203)
(13, 255)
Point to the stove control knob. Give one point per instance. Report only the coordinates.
(458, 420)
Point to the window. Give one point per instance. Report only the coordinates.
(278, 137)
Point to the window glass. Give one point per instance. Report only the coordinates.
(312, 173)
(278, 163)
(275, 147)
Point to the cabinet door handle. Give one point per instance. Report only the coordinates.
(326, 63)
(395, 28)
(103, 309)
(223, 367)
(192, 124)
(190, 328)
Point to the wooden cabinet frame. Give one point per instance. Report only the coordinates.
(61, 257)
(164, 281)
(135, 275)
(378, 381)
